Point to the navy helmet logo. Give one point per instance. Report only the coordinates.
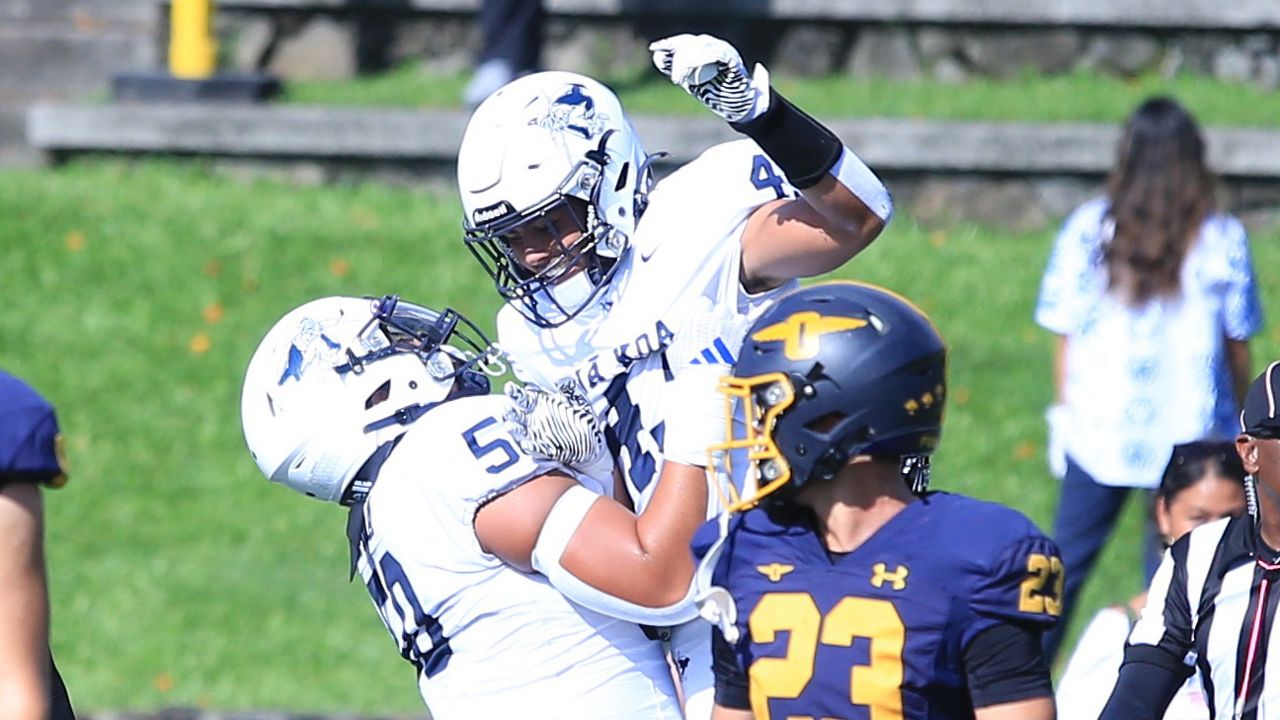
(309, 345)
(573, 111)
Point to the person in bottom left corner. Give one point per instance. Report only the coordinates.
(511, 581)
(30, 686)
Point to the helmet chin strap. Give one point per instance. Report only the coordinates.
(574, 292)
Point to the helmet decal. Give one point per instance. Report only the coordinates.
(574, 111)
(309, 345)
(801, 333)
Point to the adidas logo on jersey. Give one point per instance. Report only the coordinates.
(714, 354)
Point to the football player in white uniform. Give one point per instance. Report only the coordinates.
(616, 291)
(471, 549)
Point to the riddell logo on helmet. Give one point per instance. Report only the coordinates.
(492, 212)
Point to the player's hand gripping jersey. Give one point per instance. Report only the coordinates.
(879, 632)
(488, 640)
(676, 300)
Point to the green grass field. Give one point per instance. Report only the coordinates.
(135, 295)
(1082, 96)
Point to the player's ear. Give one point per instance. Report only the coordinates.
(1247, 447)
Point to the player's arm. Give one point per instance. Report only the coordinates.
(585, 542)
(787, 239)
(1015, 600)
(593, 549)
(1036, 709)
(24, 659)
(843, 205)
(1008, 676)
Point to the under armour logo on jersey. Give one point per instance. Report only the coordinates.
(775, 571)
(880, 575)
(715, 353)
(801, 333)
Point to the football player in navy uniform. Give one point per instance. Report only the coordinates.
(30, 686)
(840, 585)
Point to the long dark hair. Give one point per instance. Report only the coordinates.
(1160, 192)
(1193, 461)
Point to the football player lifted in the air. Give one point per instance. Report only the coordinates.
(836, 584)
(613, 292)
(383, 406)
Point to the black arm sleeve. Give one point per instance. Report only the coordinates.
(731, 678)
(804, 148)
(1005, 663)
(1148, 681)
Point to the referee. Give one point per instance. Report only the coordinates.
(1212, 603)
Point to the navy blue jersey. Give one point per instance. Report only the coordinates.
(30, 444)
(879, 633)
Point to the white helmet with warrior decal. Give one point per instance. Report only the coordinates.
(542, 145)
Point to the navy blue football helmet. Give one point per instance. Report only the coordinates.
(828, 373)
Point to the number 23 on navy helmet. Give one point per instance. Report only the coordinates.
(828, 373)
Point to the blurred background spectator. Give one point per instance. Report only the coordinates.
(511, 45)
(1203, 482)
(1153, 297)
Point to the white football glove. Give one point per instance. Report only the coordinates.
(558, 427)
(711, 70)
(694, 413)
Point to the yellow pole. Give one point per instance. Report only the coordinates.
(192, 49)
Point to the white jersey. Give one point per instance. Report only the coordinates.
(487, 639)
(675, 300)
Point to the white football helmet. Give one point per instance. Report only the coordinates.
(544, 141)
(340, 377)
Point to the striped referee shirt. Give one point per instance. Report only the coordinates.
(1212, 607)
